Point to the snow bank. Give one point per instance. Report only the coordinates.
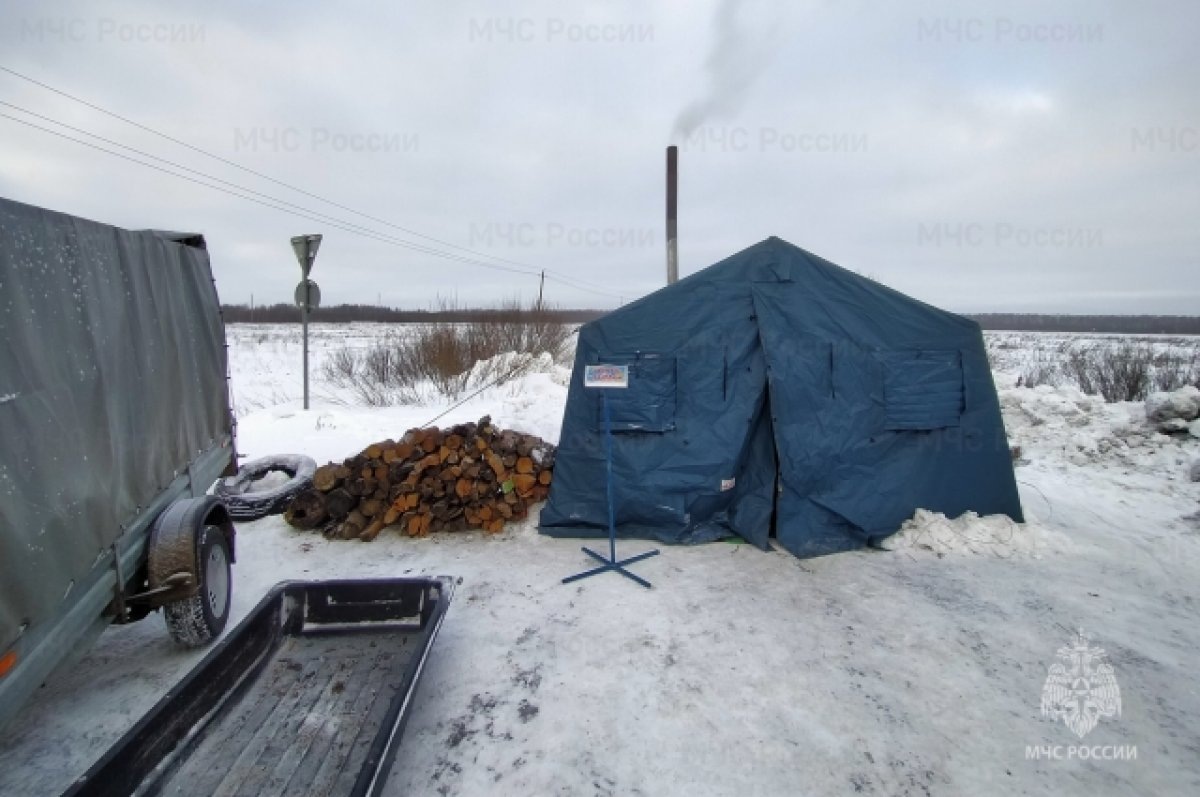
(1175, 411)
(1065, 426)
(990, 535)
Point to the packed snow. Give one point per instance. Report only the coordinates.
(993, 535)
(917, 670)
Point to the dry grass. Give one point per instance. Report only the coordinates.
(449, 358)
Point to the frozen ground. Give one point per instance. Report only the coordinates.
(913, 671)
(1018, 354)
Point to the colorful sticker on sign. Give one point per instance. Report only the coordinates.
(606, 376)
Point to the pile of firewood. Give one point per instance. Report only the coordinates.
(468, 476)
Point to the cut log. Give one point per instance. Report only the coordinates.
(338, 503)
(418, 525)
(361, 487)
(325, 478)
(372, 531)
(431, 440)
(306, 510)
(468, 475)
(352, 526)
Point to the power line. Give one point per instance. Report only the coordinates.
(577, 282)
(190, 179)
(312, 215)
(322, 216)
(269, 201)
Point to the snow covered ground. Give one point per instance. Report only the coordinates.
(917, 670)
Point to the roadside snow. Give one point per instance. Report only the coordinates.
(991, 535)
(741, 672)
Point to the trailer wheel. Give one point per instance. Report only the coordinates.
(200, 619)
(245, 499)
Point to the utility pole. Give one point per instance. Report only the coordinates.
(541, 286)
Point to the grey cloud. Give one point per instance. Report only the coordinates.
(869, 133)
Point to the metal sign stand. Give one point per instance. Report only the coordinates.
(608, 377)
(308, 295)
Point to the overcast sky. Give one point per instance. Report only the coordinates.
(1006, 156)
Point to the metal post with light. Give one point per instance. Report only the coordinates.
(308, 295)
(606, 378)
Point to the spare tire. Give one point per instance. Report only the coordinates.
(247, 497)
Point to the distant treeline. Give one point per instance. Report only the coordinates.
(1126, 324)
(345, 313)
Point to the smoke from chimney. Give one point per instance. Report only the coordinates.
(738, 56)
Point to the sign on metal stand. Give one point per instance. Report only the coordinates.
(308, 295)
(606, 378)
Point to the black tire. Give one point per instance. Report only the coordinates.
(243, 502)
(201, 618)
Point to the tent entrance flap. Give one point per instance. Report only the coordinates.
(809, 424)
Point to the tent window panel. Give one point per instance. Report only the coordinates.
(648, 404)
(922, 389)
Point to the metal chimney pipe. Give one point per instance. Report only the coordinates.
(672, 215)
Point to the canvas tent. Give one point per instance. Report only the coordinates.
(777, 391)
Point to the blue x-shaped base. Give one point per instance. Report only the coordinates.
(612, 564)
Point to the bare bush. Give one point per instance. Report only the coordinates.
(450, 358)
(1039, 372)
(1118, 373)
(1173, 370)
(342, 364)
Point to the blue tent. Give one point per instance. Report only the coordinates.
(777, 392)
